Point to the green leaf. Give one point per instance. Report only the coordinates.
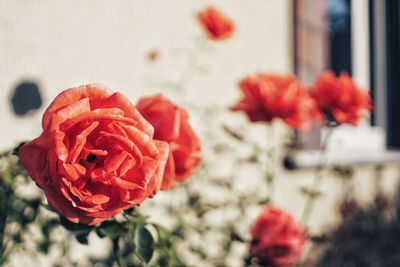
(144, 243)
(75, 227)
(34, 203)
(43, 247)
(47, 207)
(82, 238)
(178, 231)
(193, 199)
(111, 229)
(236, 237)
(16, 149)
(48, 226)
(17, 238)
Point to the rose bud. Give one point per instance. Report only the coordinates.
(215, 24)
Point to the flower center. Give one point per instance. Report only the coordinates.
(91, 158)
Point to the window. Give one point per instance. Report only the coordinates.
(362, 38)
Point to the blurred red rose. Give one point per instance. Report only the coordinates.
(340, 98)
(269, 96)
(216, 25)
(96, 155)
(171, 124)
(277, 240)
(153, 55)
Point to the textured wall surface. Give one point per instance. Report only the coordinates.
(60, 44)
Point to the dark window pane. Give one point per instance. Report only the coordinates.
(339, 23)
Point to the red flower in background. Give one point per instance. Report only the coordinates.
(171, 124)
(216, 25)
(96, 155)
(270, 96)
(277, 240)
(340, 98)
(153, 55)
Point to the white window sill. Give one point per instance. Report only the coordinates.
(312, 159)
(347, 146)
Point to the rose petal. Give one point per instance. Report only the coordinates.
(73, 171)
(55, 119)
(142, 140)
(111, 140)
(95, 92)
(113, 114)
(97, 199)
(124, 184)
(80, 141)
(126, 166)
(59, 146)
(162, 158)
(33, 157)
(120, 101)
(114, 161)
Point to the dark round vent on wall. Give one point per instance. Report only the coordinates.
(25, 98)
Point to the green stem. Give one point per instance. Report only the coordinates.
(271, 158)
(190, 66)
(117, 253)
(317, 182)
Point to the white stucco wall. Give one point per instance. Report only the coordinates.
(61, 44)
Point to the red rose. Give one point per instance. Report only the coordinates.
(340, 98)
(171, 124)
(215, 24)
(153, 55)
(270, 96)
(96, 156)
(277, 240)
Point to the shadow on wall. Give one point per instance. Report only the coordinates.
(25, 98)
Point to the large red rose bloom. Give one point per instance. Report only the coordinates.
(215, 24)
(96, 156)
(277, 240)
(171, 124)
(340, 98)
(272, 96)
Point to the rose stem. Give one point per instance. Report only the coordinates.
(271, 171)
(191, 65)
(318, 177)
